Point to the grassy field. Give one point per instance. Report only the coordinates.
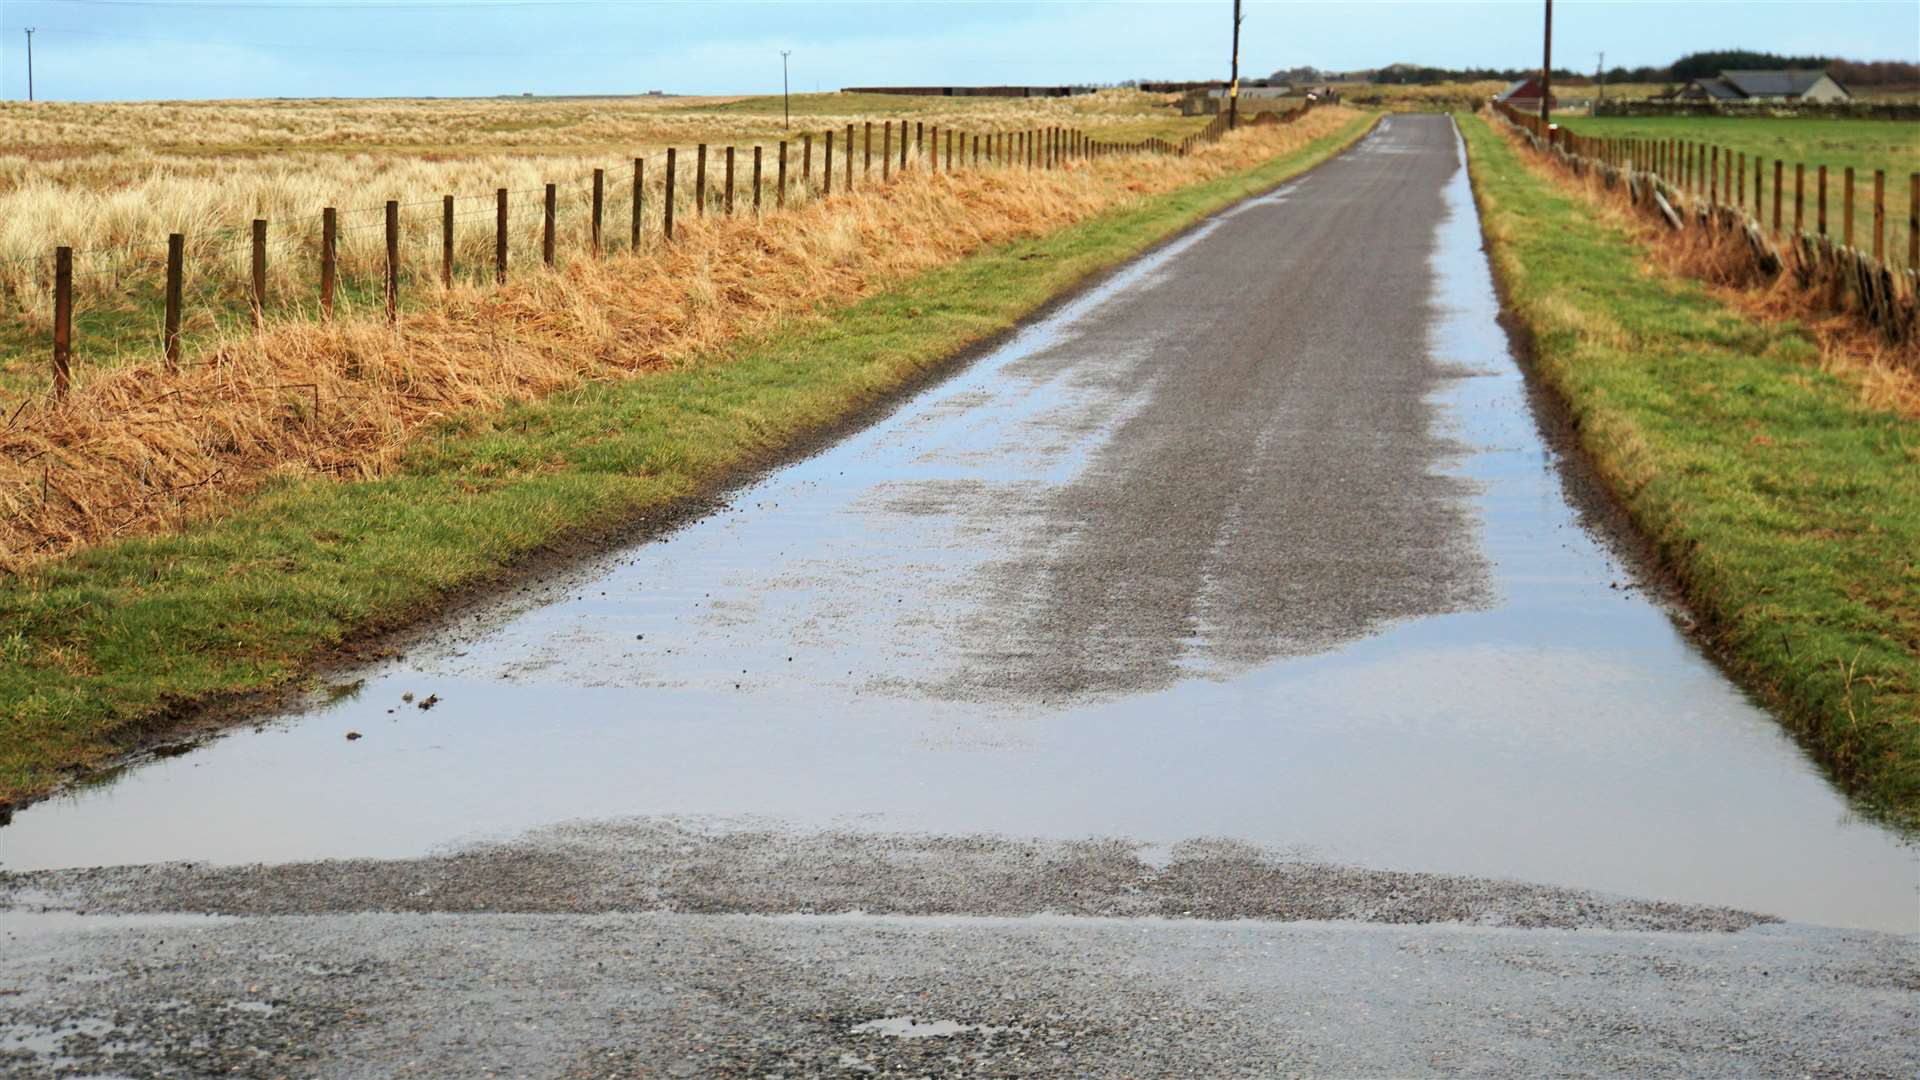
(1863, 145)
(104, 644)
(112, 180)
(1836, 143)
(1788, 508)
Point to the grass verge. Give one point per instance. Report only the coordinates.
(113, 644)
(1787, 508)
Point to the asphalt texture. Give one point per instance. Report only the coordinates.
(1272, 490)
(1271, 487)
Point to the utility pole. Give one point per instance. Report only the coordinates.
(29, 63)
(1233, 87)
(786, 107)
(1600, 75)
(1546, 66)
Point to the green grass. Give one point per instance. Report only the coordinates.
(1789, 510)
(1839, 144)
(99, 648)
(1836, 143)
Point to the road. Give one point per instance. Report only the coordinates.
(1227, 675)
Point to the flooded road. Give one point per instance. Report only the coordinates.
(1257, 540)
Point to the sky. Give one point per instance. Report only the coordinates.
(175, 49)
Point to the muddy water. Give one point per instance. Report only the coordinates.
(813, 655)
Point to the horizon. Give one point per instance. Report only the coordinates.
(185, 50)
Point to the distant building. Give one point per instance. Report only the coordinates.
(1786, 87)
(1524, 95)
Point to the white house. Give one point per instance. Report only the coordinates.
(1767, 86)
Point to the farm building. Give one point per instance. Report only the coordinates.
(1524, 94)
(1766, 86)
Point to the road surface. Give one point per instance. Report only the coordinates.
(1218, 678)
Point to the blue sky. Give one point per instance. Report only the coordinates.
(137, 49)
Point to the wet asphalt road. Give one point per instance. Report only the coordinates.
(1234, 453)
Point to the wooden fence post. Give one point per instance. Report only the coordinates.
(393, 261)
(1846, 209)
(639, 203)
(500, 236)
(867, 157)
(727, 202)
(847, 157)
(257, 291)
(329, 243)
(1779, 173)
(176, 270)
(826, 168)
(62, 320)
(903, 146)
(1799, 197)
(599, 206)
(919, 139)
(780, 188)
(1823, 201)
(700, 180)
(1740, 183)
(886, 148)
(756, 175)
(547, 216)
(806, 160)
(1879, 215)
(446, 241)
(666, 207)
(1913, 221)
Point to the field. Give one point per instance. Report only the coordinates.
(1863, 145)
(112, 180)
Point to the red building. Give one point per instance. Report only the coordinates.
(1525, 95)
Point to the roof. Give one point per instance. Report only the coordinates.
(1528, 87)
(1771, 83)
(1719, 89)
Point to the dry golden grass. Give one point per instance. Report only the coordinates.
(1887, 377)
(112, 180)
(137, 448)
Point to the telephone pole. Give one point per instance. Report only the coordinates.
(786, 107)
(29, 63)
(1546, 66)
(1600, 76)
(1233, 87)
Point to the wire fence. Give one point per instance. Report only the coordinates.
(269, 267)
(1855, 261)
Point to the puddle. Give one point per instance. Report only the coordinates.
(906, 1027)
(16, 923)
(792, 657)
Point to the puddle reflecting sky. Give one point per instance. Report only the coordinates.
(796, 657)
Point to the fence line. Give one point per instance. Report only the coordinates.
(1692, 184)
(1045, 148)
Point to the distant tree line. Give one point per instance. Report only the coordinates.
(1851, 73)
